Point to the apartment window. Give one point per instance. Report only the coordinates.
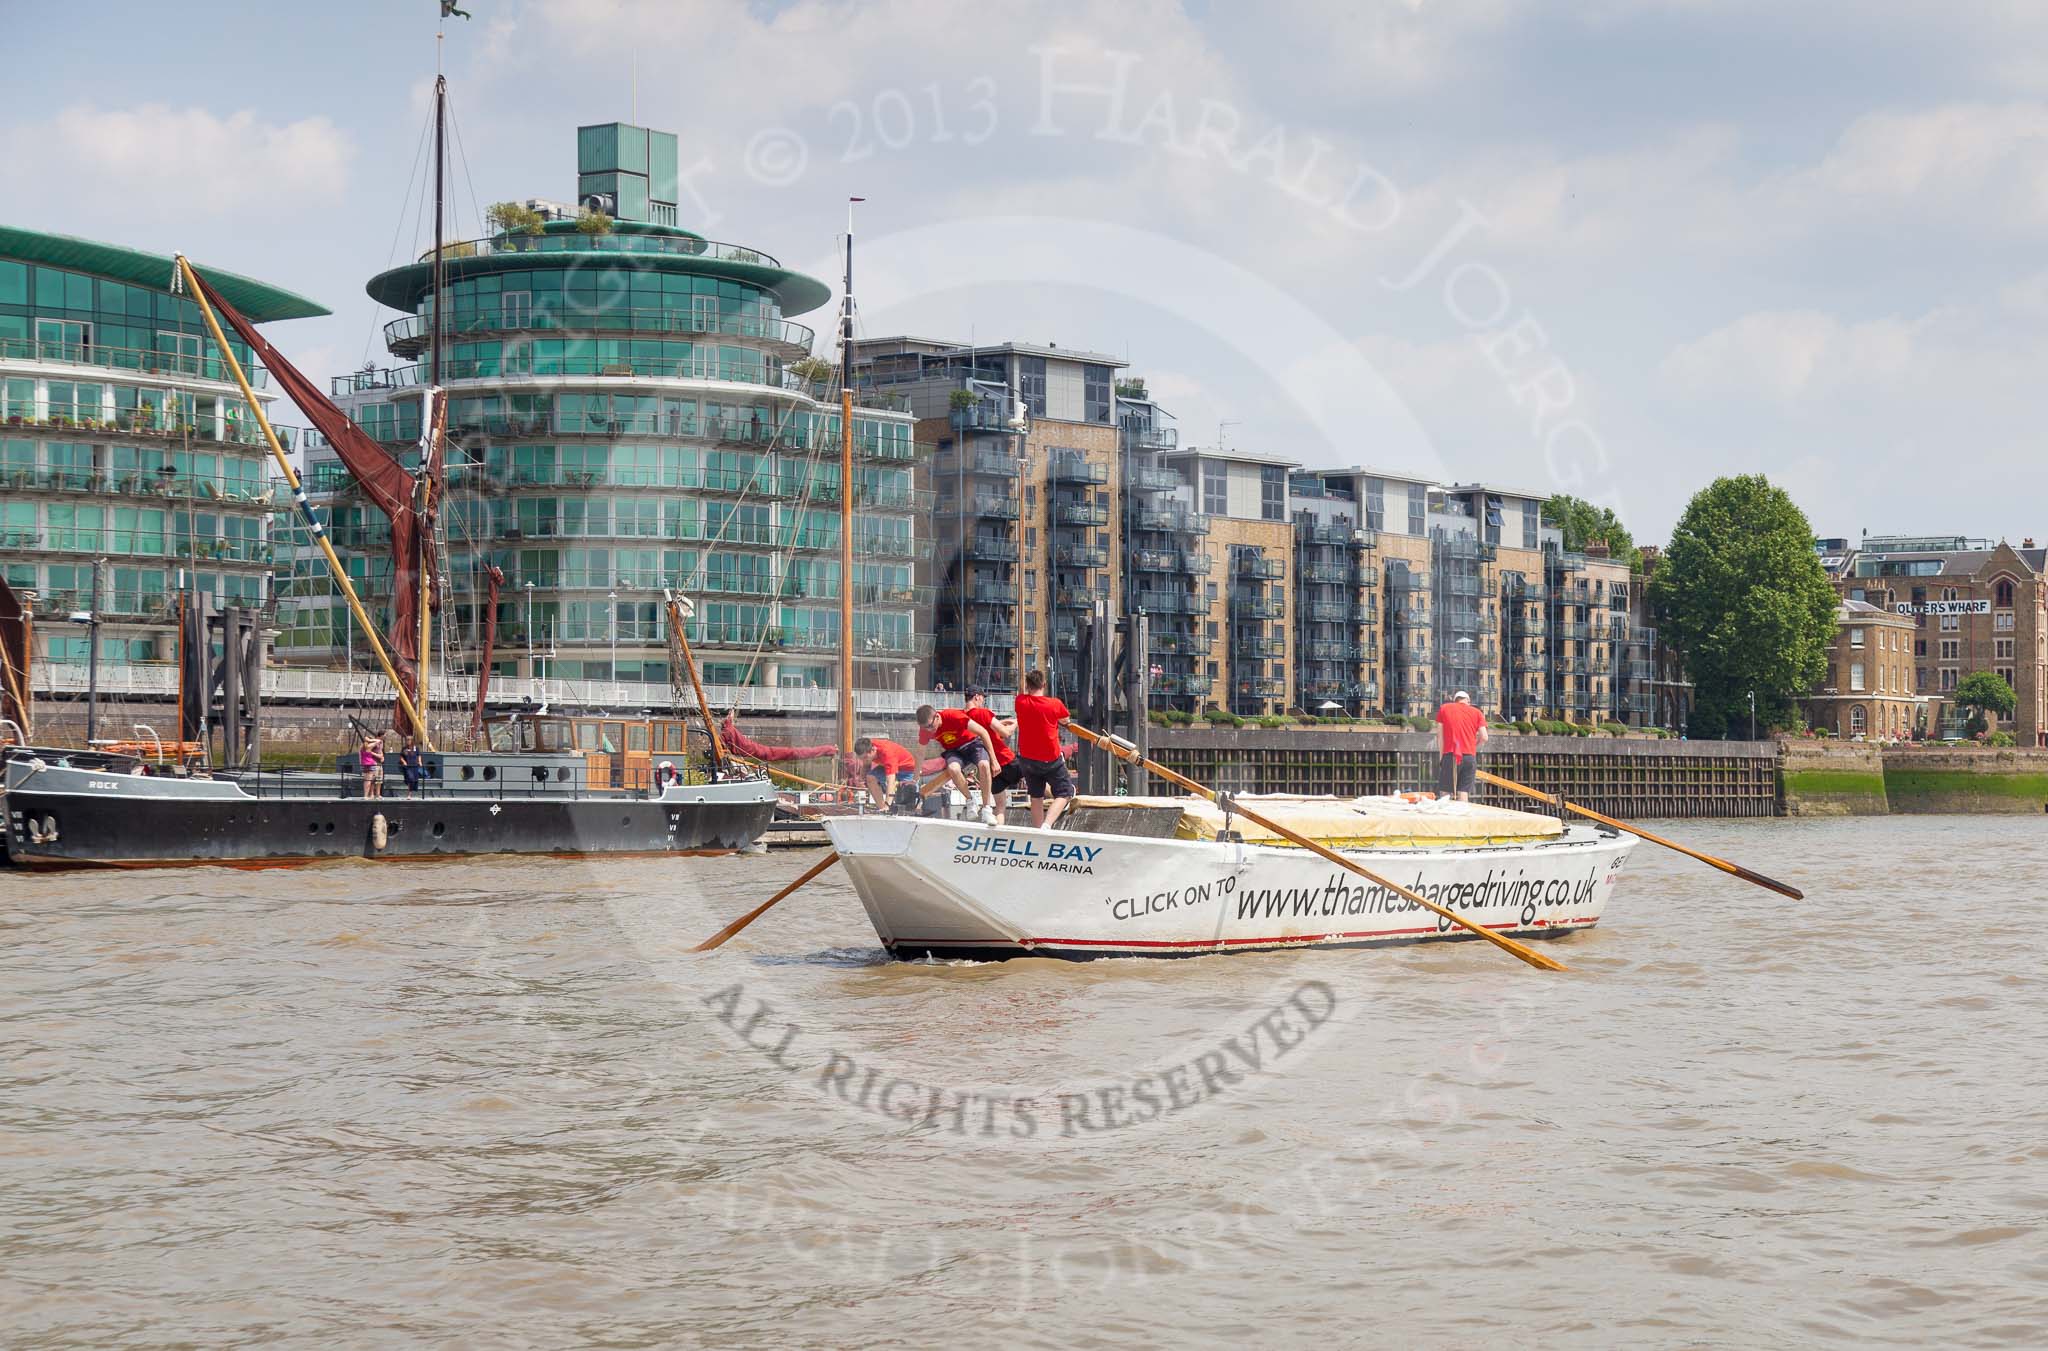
(1375, 504)
(1951, 623)
(2002, 621)
(1856, 676)
(1919, 647)
(1920, 679)
(1216, 489)
(2002, 597)
(1031, 537)
(1856, 719)
(2005, 674)
(1529, 518)
(2001, 649)
(1417, 506)
(1951, 649)
(1948, 678)
(1272, 492)
(1095, 393)
(1855, 637)
(1031, 384)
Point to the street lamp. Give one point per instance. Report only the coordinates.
(613, 597)
(1752, 715)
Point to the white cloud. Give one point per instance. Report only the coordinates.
(1786, 355)
(182, 162)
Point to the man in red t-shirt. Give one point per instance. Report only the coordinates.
(1039, 719)
(888, 765)
(1008, 773)
(1463, 731)
(967, 746)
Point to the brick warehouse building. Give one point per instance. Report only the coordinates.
(1974, 605)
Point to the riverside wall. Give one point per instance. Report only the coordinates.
(2003, 782)
(1825, 778)
(1622, 777)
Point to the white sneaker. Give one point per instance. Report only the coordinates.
(989, 817)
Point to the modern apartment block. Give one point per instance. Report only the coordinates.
(1167, 566)
(1248, 592)
(1975, 605)
(623, 417)
(124, 440)
(1025, 474)
(1454, 587)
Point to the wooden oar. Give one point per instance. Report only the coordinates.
(1123, 751)
(743, 921)
(1732, 869)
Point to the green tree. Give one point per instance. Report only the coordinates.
(1983, 693)
(593, 222)
(816, 370)
(1741, 593)
(510, 218)
(1583, 523)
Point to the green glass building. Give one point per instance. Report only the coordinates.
(627, 413)
(124, 440)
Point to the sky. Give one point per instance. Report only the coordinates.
(1607, 247)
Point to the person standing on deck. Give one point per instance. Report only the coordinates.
(1038, 722)
(1462, 729)
(371, 759)
(413, 767)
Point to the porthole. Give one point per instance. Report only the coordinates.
(490, 772)
(330, 827)
(469, 771)
(440, 829)
(540, 773)
(562, 774)
(312, 827)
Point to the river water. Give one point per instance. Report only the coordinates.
(499, 1103)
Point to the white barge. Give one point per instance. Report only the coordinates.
(1174, 878)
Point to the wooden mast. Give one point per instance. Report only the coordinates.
(434, 415)
(846, 725)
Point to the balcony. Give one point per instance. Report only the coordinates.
(1328, 612)
(1079, 556)
(140, 360)
(1155, 480)
(1181, 645)
(1074, 598)
(993, 593)
(412, 335)
(995, 506)
(1171, 603)
(1577, 633)
(978, 635)
(1258, 567)
(1069, 468)
(1195, 686)
(1172, 518)
(1262, 688)
(1153, 438)
(246, 493)
(1246, 606)
(987, 550)
(993, 464)
(1324, 650)
(1325, 574)
(1080, 513)
(1258, 648)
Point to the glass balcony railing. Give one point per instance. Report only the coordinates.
(142, 361)
(412, 335)
(618, 242)
(1080, 513)
(1077, 469)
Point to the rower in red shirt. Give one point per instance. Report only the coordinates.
(967, 746)
(888, 766)
(1008, 773)
(1038, 722)
(1463, 730)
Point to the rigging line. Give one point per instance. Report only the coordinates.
(462, 155)
(398, 226)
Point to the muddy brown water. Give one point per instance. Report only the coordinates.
(498, 1103)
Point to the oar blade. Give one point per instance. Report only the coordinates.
(1782, 888)
(718, 939)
